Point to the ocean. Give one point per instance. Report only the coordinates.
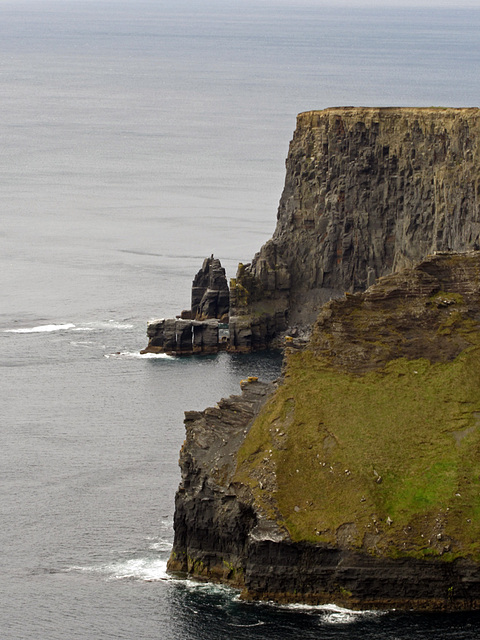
(137, 138)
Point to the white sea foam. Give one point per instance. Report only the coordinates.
(140, 569)
(87, 326)
(144, 569)
(162, 545)
(331, 613)
(44, 328)
(110, 324)
(341, 616)
(137, 354)
(208, 587)
(103, 324)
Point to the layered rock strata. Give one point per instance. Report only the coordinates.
(199, 330)
(367, 192)
(176, 336)
(356, 480)
(210, 292)
(211, 524)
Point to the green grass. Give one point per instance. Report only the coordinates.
(395, 454)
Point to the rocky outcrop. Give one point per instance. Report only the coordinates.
(247, 333)
(176, 336)
(210, 292)
(356, 480)
(368, 191)
(211, 524)
(429, 312)
(199, 330)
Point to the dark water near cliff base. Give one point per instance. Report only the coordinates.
(137, 138)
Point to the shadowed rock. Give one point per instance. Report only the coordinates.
(178, 336)
(210, 293)
(367, 191)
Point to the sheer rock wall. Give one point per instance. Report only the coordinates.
(367, 191)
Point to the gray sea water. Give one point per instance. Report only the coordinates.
(136, 139)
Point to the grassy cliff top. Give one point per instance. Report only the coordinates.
(388, 111)
(396, 121)
(373, 440)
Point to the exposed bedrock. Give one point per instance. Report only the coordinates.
(210, 292)
(178, 336)
(197, 331)
(356, 479)
(367, 192)
(306, 573)
(212, 520)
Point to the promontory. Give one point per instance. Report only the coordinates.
(355, 478)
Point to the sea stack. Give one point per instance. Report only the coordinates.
(196, 331)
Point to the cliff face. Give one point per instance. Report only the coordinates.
(213, 515)
(358, 481)
(367, 191)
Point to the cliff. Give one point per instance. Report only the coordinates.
(368, 191)
(356, 480)
(211, 524)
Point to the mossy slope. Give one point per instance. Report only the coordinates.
(372, 443)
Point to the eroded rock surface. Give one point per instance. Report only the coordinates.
(213, 516)
(430, 311)
(210, 292)
(357, 480)
(195, 331)
(367, 191)
(178, 336)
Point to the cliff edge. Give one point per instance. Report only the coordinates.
(367, 191)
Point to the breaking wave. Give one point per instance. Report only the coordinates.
(43, 328)
(332, 613)
(137, 354)
(110, 324)
(70, 326)
(144, 569)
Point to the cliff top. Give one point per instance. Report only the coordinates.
(362, 112)
(440, 116)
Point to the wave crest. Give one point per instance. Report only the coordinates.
(137, 354)
(146, 569)
(43, 328)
